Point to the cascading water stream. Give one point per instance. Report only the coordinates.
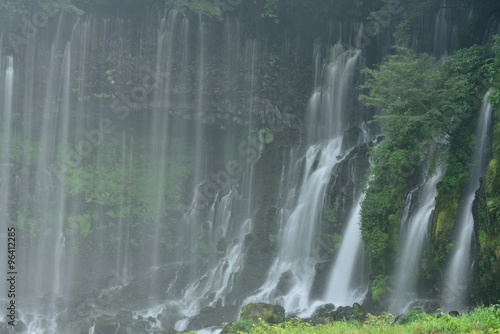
(301, 213)
(63, 138)
(212, 287)
(413, 243)
(442, 32)
(459, 268)
(341, 289)
(297, 254)
(327, 106)
(5, 200)
(99, 214)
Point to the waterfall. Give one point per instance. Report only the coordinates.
(5, 168)
(212, 287)
(413, 241)
(459, 267)
(117, 142)
(343, 289)
(296, 259)
(442, 32)
(304, 182)
(329, 102)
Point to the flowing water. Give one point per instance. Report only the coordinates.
(5, 167)
(117, 172)
(413, 241)
(94, 184)
(344, 287)
(459, 268)
(292, 273)
(442, 32)
(296, 258)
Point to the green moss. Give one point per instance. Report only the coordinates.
(331, 213)
(266, 136)
(272, 314)
(274, 237)
(379, 289)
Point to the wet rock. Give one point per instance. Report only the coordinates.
(227, 328)
(20, 327)
(358, 311)
(352, 137)
(321, 278)
(326, 308)
(328, 313)
(213, 316)
(453, 313)
(432, 306)
(284, 285)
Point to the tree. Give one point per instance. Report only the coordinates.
(16, 13)
(409, 89)
(421, 102)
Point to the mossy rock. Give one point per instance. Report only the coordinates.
(273, 314)
(358, 311)
(227, 328)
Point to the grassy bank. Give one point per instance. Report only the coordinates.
(480, 320)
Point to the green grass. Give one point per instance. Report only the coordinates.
(480, 320)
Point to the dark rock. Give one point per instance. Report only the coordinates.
(453, 313)
(432, 306)
(284, 285)
(21, 327)
(358, 312)
(322, 276)
(213, 316)
(327, 308)
(352, 137)
(221, 245)
(327, 313)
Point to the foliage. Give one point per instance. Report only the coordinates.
(409, 89)
(336, 239)
(244, 326)
(331, 213)
(274, 237)
(266, 136)
(488, 209)
(413, 10)
(480, 320)
(322, 10)
(465, 70)
(426, 116)
(113, 189)
(379, 289)
(15, 13)
(209, 8)
(26, 153)
(414, 315)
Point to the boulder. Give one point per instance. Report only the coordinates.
(273, 314)
(213, 316)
